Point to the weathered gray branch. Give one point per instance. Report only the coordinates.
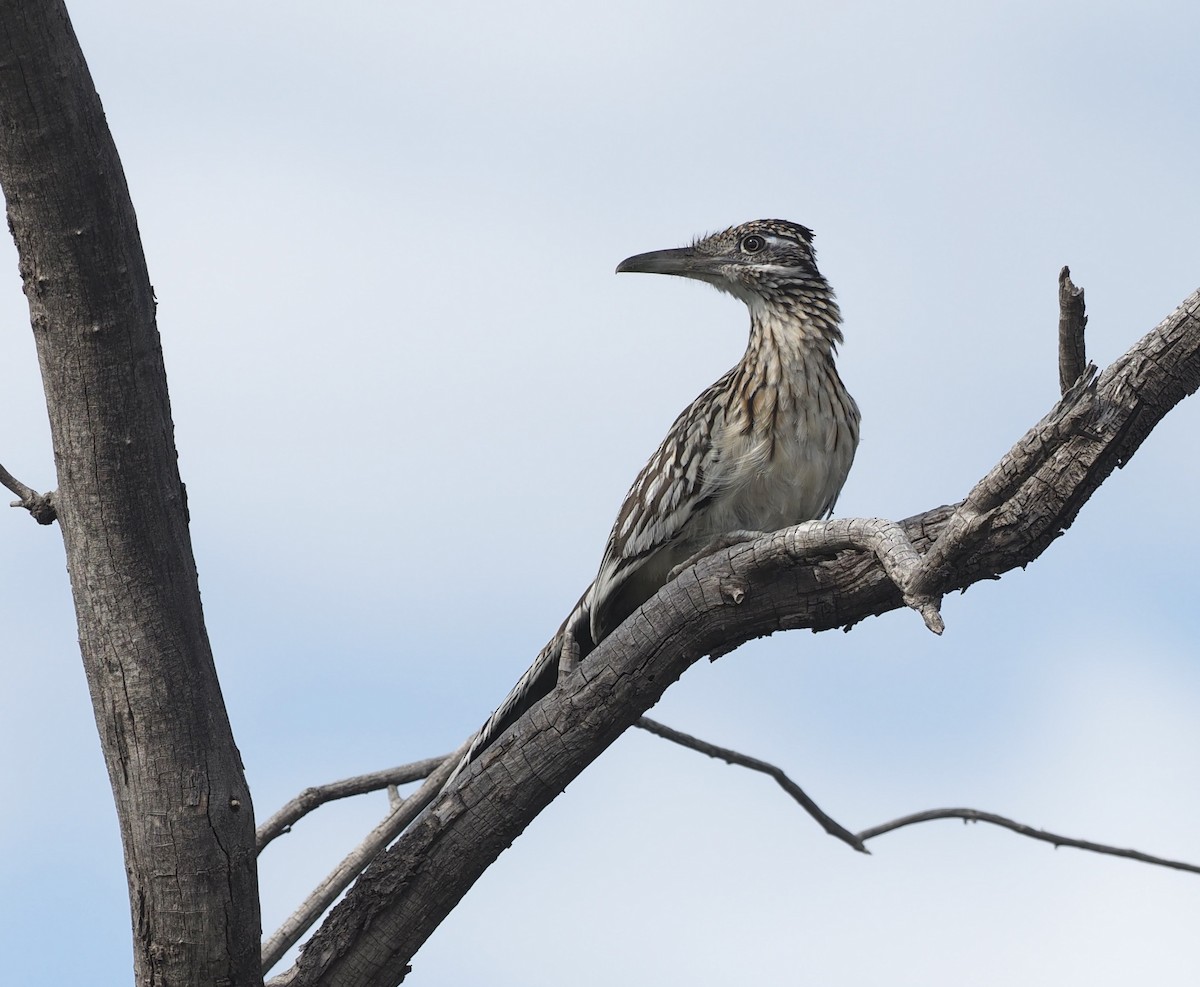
(1010, 518)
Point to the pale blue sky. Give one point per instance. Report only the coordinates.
(409, 395)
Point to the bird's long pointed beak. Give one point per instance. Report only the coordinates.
(682, 261)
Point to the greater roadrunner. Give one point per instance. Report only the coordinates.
(765, 447)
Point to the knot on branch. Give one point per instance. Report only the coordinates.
(40, 506)
(733, 591)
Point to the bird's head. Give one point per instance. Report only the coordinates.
(755, 261)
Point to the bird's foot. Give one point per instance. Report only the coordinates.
(723, 541)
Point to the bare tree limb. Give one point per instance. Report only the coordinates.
(311, 798)
(41, 506)
(1010, 519)
(976, 815)
(828, 823)
(1072, 320)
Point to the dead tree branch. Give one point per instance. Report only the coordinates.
(40, 506)
(1072, 320)
(1010, 518)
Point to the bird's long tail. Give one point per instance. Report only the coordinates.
(538, 681)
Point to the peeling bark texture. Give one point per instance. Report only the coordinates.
(185, 814)
(1009, 519)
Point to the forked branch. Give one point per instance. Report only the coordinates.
(313, 798)
(40, 506)
(857, 840)
(340, 877)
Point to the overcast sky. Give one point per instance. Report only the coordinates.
(410, 394)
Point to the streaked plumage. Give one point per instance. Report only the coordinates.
(767, 446)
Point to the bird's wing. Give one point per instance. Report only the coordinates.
(679, 480)
(681, 477)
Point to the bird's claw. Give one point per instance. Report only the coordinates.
(721, 542)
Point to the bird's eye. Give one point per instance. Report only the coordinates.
(753, 243)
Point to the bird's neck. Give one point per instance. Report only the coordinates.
(796, 328)
(786, 396)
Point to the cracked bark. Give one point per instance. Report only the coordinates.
(185, 814)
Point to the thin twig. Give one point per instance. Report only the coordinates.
(1072, 320)
(858, 840)
(41, 506)
(311, 798)
(975, 815)
(830, 825)
(302, 919)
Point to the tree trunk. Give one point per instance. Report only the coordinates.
(186, 819)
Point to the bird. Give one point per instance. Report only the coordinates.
(767, 446)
